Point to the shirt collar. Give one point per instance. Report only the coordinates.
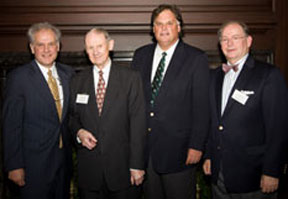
(106, 68)
(45, 69)
(240, 63)
(169, 52)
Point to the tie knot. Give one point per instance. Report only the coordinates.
(164, 54)
(100, 72)
(49, 73)
(226, 68)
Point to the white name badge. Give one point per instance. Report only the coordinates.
(82, 99)
(240, 97)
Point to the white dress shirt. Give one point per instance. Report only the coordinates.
(157, 57)
(106, 72)
(53, 69)
(229, 81)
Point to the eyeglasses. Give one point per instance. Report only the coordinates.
(225, 40)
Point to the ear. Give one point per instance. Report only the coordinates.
(111, 44)
(58, 46)
(249, 41)
(32, 48)
(178, 28)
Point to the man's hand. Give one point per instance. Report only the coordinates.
(87, 139)
(269, 184)
(17, 176)
(207, 167)
(193, 156)
(137, 176)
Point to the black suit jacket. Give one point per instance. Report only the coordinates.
(120, 131)
(248, 140)
(181, 113)
(31, 126)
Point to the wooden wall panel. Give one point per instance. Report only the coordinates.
(128, 20)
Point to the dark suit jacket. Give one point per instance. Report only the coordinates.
(120, 130)
(31, 126)
(181, 114)
(248, 140)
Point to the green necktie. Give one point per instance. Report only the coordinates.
(157, 81)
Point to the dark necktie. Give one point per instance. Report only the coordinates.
(100, 93)
(226, 68)
(157, 81)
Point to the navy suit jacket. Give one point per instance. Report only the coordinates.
(120, 131)
(248, 140)
(31, 126)
(181, 109)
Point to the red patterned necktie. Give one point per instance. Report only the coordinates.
(226, 68)
(100, 93)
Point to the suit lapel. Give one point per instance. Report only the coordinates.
(147, 72)
(174, 67)
(91, 91)
(218, 91)
(112, 90)
(240, 83)
(38, 80)
(65, 86)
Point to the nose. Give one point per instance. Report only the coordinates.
(164, 26)
(229, 42)
(95, 51)
(46, 48)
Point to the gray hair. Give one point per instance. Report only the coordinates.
(100, 31)
(42, 26)
(240, 23)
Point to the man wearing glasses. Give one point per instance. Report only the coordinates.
(249, 117)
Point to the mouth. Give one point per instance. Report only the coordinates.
(46, 55)
(164, 34)
(230, 50)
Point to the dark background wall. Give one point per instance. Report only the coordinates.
(128, 21)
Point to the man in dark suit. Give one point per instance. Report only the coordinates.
(249, 107)
(176, 81)
(108, 120)
(37, 146)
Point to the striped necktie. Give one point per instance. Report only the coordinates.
(158, 78)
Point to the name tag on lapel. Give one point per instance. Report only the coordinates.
(246, 92)
(240, 97)
(82, 99)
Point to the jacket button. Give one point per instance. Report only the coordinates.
(220, 128)
(151, 114)
(149, 129)
(218, 147)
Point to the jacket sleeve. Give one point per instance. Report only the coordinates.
(13, 113)
(200, 103)
(137, 123)
(275, 116)
(74, 118)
